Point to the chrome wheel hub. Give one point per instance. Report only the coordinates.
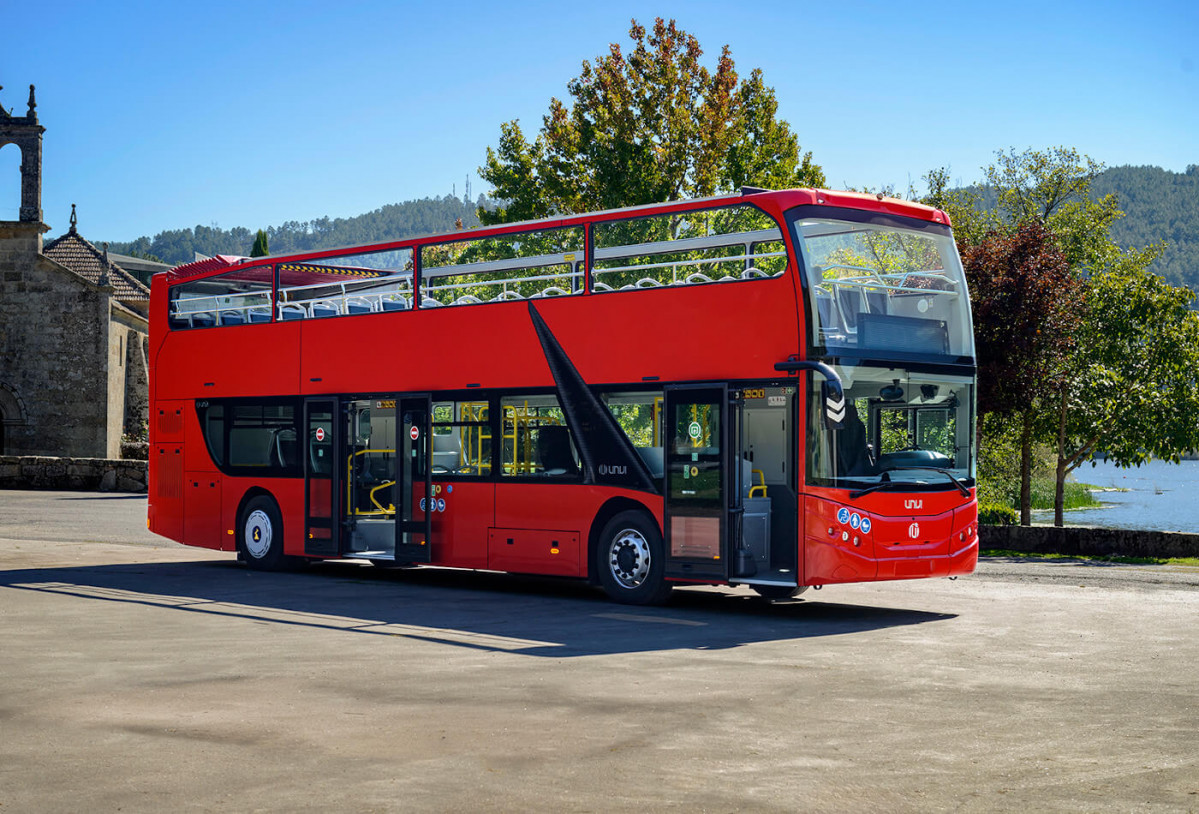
(629, 558)
(258, 534)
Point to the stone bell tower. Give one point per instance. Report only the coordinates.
(26, 133)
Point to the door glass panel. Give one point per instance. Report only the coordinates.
(695, 498)
(371, 475)
(320, 537)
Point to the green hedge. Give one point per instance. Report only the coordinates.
(997, 514)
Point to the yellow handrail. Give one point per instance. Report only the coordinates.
(761, 485)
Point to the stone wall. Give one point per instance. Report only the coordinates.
(76, 474)
(1089, 541)
(54, 351)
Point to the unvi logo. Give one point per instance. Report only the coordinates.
(913, 504)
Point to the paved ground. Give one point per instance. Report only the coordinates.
(137, 675)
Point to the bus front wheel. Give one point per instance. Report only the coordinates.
(260, 535)
(630, 560)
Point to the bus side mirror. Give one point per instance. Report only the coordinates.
(832, 396)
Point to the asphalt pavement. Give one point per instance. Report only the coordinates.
(139, 675)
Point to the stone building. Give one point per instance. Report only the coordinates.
(73, 328)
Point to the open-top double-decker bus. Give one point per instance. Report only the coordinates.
(770, 388)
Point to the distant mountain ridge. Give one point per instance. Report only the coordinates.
(1159, 206)
(392, 222)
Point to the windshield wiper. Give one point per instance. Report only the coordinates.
(885, 481)
(961, 487)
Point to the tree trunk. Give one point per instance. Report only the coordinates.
(1059, 486)
(1026, 469)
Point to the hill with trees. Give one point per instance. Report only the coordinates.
(391, 222)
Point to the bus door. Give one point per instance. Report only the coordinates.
(415, 500)
(322, 528)
(697, 523)
(369, 468)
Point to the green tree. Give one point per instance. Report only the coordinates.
(1126, 384)
(1131, 388)
(1025, 299)
(260, 248)
(655, 125)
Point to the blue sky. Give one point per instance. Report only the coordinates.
(163, 115)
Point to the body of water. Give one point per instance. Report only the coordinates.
(1161, 496)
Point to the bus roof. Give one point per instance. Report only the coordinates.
(786, 199)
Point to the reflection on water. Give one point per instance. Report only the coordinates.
(1161, 497)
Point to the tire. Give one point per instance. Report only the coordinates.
(260, 535)
(630, 560)
(778, 592)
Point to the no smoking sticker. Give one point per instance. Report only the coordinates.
(320, 433)
(414, 433)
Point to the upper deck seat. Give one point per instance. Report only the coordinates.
(396, 304)
(358, 305)
(324, 308)
(259, 315)
(292, 310)
(203, 319)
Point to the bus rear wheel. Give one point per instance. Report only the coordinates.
(260, 535)
(630, 560)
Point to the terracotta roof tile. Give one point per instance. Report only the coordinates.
(80, 256)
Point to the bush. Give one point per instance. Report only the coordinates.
(997, 514)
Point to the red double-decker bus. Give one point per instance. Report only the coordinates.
(770, 388)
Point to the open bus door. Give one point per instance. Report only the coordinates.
(698, 433)
(415, 501)
(322, 529)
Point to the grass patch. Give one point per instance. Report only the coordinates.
(1074, 496)
(1192, 562)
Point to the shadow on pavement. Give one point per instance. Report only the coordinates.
(501, 612)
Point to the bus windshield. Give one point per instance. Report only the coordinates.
(903, 430)
(883, 287)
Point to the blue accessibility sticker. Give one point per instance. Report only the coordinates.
(865, 525)
(856, 520)
(441, 504)
(843, 515)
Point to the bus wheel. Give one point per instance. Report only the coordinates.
(260, 535)
(774, 592)
(630, 560)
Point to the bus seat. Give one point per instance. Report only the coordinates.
(554, 452)
(696, 278)
(753, 272)
(826, 311)
(468, 299)
(324, 308)
(849, 302)
(232, 318)
(259, 315)
(292, 310)
(203, 319)
(358, 306)
(447, 451)
(397, 304)
(284, 448)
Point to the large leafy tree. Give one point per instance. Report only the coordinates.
(1127, 385)
(1131, 388)
(651, 125)
(1025, 298)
